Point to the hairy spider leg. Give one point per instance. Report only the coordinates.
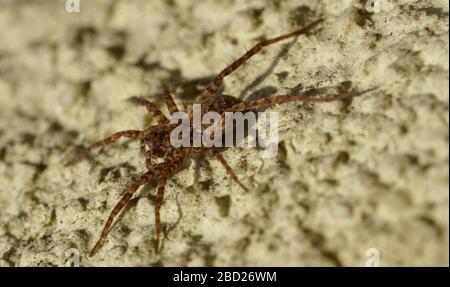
(171, 105)
(119, 206)
(133, 133)
(158, 203)
(215, 84)
(272, 100)
(228, 168)
(137, 134)
(151, 107)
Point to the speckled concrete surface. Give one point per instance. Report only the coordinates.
(370, 173)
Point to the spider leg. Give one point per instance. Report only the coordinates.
(228, 168)
(158, 203)
(272, 100)
(149, 163)
(137, 134)
(215, 84)
(146, 155)
(119, 206)
(142, 147)
(171, 105)
(151, 107)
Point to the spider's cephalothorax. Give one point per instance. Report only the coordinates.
(156, 141)
(163, 161)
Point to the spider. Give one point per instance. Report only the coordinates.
(163, 161)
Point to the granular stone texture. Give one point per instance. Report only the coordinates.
(354, 183)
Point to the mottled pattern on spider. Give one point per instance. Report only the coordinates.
(164, 161)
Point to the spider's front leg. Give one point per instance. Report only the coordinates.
(217, 82)
(136, 134)
(171, 105)
(151, 107)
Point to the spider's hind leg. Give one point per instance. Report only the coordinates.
(118, 207)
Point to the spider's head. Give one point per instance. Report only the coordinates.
(157, 140)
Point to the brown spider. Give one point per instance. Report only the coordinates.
(155, 139)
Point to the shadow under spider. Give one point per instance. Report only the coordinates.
(172, 226)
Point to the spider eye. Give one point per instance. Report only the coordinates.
(159, 150)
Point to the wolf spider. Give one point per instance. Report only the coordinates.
(164, 161)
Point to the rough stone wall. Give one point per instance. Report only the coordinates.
(370, 173)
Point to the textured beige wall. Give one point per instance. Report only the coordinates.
(372, 173)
